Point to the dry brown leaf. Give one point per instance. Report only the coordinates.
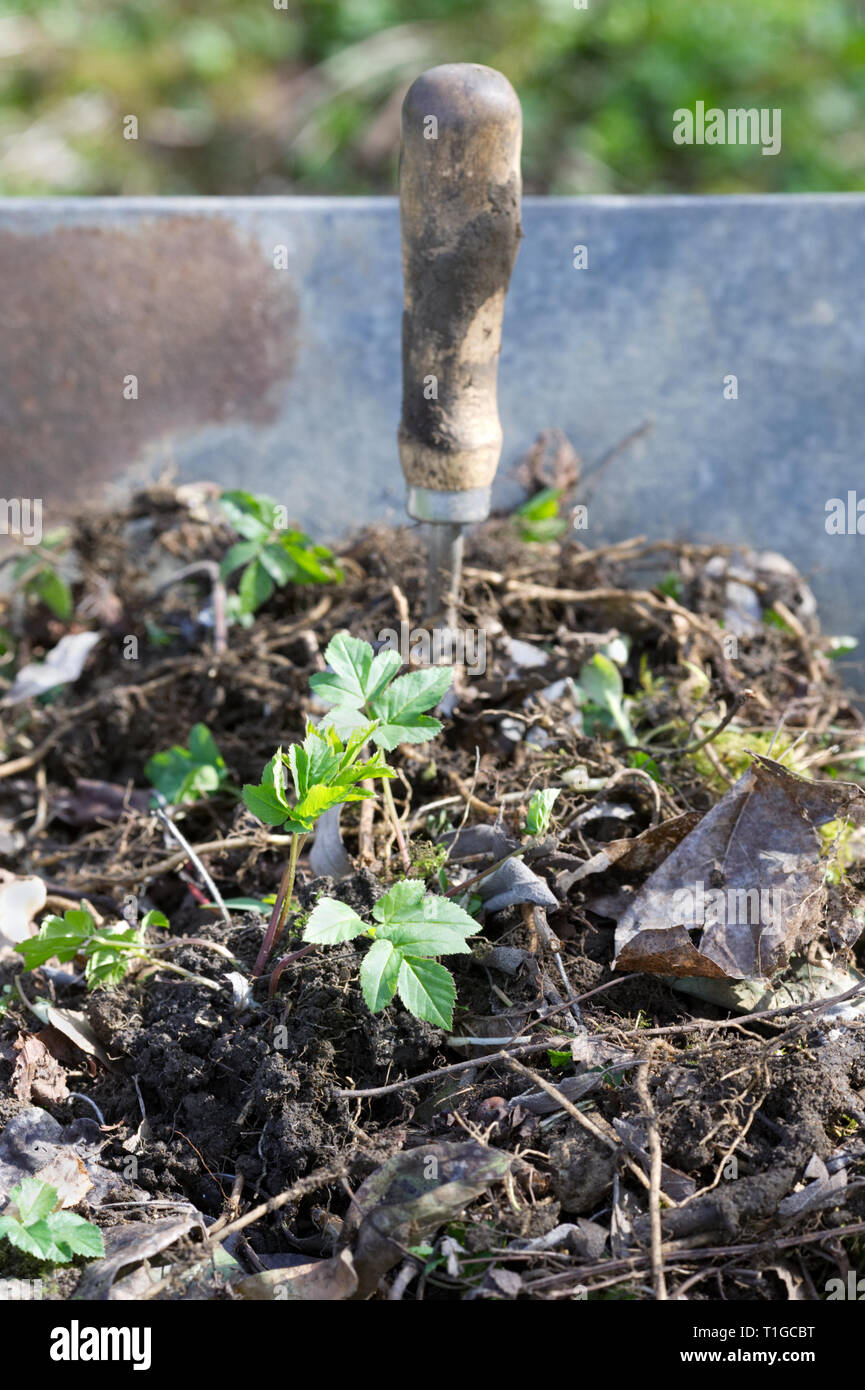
(37, 1074)
(747, 882)
(68, 1175)
(319, 1281)
(409, 1197)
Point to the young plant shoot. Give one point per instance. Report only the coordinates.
(362, 686)
(35, 1222)
(410, 928)
(108, 952)
(270, 554)
(325, 772)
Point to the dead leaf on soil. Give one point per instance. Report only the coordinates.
(77, 1029)
(129, 1245)
(637, 853)
(747, 881)
(319, 1281)
(68, 1175)
(37, 1075)
(409, 1197)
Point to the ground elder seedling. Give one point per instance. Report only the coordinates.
(325, 772)
(362, 686)
(271, 554)
(32, 1222)
(108, 952)
(410, 928)
(188, 774)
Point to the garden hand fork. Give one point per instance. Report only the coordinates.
(459, 189)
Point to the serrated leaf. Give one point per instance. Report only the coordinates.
(344, 719)
(420, 729)
(350, 659)
(332, 921)
(73, 1235)
(27, 1240)
(412, 695)
(401, 902)
(445, 912)
(427, 989)
(424, 939)
(379, 974)
(265, 804)
(33, 1200)
(62, 937)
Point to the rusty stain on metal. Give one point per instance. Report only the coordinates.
(187, 305)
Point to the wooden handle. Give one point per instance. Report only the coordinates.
(459, 194)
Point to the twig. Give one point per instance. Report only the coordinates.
(181, 839)
(455, 1068)
(655, 1170)
(704, 1024)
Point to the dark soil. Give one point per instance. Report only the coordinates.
(252, 1090)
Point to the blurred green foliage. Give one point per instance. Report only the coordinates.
(240, 96)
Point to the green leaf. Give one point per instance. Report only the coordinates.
(379, 974)
(400, 903)
(37, 1241)
(154, 918)
(75, 1236)
(250, 516)
(540, 810)
(202, 746)
(314, 564)
(400, 707)
(185, 774)
(240, 554)
(33, 1200)
(63, 937)
(265, 804)
(332, 921)
(427, 989)
(424, 939)
(278, 563)
(260, 905)
(55, 593)
(444, 912)
(107, 961)
(350, 659)
(601, 682)
(256, 586)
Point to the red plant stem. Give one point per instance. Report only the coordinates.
(283, 962)
(281, 906)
